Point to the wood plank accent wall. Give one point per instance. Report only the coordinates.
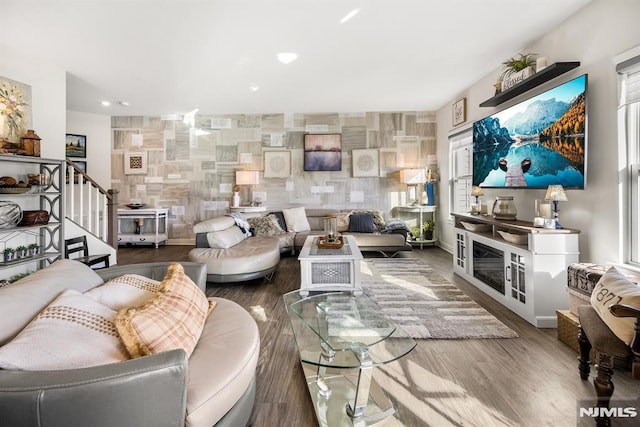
(193, 173)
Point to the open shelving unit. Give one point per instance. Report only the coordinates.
(50, 236)
(543, 76)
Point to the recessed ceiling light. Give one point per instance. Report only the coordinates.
(287, 57)
(254, 87)
(105, 103)
(124, 103)
(349, 15)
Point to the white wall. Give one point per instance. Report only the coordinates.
(48, 95)
(593, 36)
(97, 128)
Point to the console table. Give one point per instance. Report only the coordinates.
(528, 275)
(341, 338)
(143, 226)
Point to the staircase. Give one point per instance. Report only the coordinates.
(92, 211)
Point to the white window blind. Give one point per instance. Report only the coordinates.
(461, 167)
(629, 128)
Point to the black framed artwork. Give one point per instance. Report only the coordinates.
(76, 145)
(82, 165)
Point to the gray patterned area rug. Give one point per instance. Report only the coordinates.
(424, 304)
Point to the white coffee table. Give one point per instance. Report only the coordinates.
(329, 269)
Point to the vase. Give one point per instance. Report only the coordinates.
(236, 199)
(429, 188)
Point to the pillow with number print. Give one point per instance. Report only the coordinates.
(614, 288)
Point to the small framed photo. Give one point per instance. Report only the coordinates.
(81, 165)
(277, 164)
(459, 111)
(366, 163)
(76, 145)
(135, 163)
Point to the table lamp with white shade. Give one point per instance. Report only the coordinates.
(249, 179)
(413, 177)
(476, 191)
(555, 194)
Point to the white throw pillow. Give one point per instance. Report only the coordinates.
(614, 288)
(74, 331)
(224, 239)
(296, 219)
(129, 290)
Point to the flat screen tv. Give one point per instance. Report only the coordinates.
(536, 143)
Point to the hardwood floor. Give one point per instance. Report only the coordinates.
(528, 381)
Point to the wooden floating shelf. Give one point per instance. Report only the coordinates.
(551, 72)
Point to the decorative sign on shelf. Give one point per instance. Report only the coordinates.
(515, 78)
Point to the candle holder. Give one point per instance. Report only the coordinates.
(330, 229)
(543, 213)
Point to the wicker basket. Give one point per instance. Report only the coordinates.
(34, 218)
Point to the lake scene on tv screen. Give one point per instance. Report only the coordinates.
(536, 143)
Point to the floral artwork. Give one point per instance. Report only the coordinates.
(15, 109)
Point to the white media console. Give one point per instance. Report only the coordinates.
(529, 277)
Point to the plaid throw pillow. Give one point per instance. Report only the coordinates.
(173, 319)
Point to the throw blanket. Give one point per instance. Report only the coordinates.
(395, 224)
(241, 221)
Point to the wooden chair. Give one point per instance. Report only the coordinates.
(79, 244)
(594, 333)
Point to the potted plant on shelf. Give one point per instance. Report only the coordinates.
(9, 254)
(22, 251)
(517, 69)
(415, 231)
(427, 229)
(34, 249)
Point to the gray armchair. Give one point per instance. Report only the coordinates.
(595, 334)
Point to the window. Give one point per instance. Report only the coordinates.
(461, 167)
(629, 131)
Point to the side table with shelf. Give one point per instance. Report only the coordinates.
(46, 239)
(143, 226)
(416, 216)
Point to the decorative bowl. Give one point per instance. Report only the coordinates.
(136, 205)
(472, 226)
(517, 238)
(14, 189)
(10, 214)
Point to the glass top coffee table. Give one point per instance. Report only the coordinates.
(341, 337)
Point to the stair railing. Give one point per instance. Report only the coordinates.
(91, 206)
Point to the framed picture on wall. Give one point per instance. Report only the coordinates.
(322, 152)
(135, 163)
(82, 165)
(15, 113)
(459, 111)
(366, 163)
(76, 145)
(277, 164)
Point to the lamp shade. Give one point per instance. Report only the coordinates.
(476, 191)
(247, 177)
(412, 176)
(556, 193)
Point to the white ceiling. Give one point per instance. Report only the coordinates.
(172, 56)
